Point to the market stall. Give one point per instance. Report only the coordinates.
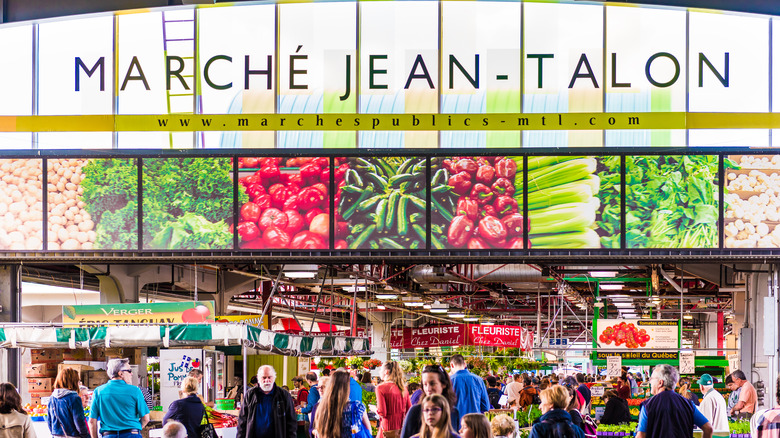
(51, 342)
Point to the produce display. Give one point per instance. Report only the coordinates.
(383, 202)
(626, 429)
(188, 203)
(752, 217)
(624, 334)
(108, 189)
(21, 204)
(221, 419)
(571, 204)
(287, 202)
(475, 204)
(37, 413)
(672, 201)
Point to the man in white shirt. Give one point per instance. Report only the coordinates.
(513, 389)
(713, 405)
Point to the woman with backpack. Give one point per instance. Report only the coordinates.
(555, 422)
(583, 421)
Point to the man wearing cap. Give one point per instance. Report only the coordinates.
(713, 405)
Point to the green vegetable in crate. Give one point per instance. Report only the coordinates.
(384, 199)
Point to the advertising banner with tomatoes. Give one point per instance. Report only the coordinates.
(285, 202)
(631, 334)
(193, 312)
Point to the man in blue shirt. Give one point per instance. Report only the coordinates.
(470, 389)
(355, 390)
(118, 405)
(314, 394)
(668, 414)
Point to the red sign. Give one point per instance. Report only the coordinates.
(500, 336)
(462, 334)
(432, 336)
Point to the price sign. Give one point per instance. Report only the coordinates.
(733, 362)
(687, 362)
(614, 366)
(597, 391)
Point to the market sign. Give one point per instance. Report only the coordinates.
(500, 336)
(245, 319)
(462, 334)
(450, 335)
(637, 334)
(390, 74)
(638, 355)
(194, 312)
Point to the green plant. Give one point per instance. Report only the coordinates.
(355, 362)
(339, 362)
(742, 426)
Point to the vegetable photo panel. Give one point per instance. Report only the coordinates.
(672, 201)
(573, 202)
(382, 203)
(286, 202)
(92, 204)
(188, 203)
(475, 203)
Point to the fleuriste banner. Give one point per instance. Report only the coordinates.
(462, 334)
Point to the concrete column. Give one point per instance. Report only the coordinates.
(10, 311)
(758, 339)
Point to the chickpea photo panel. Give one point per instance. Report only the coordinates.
(752, 192)
(188, 203)
(92, 204)
(21, 204)
(284, 202)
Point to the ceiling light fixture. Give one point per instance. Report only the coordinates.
(380, 307)
(456, 315)
(438, 307)
(386, 296)
(471, 319)
(300, 274)
(488, 322)
(603, 274)
(610, 286)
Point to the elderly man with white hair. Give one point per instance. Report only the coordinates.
(713, 405)
(174, 429)
(668, 414)
(267, 411)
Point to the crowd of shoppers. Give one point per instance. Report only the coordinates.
(450, 405)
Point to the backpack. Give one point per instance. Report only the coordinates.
(535, 399)
(561, 429)
(494, 397)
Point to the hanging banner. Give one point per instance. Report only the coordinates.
(433, 336)
(631, 334)
(500, 336)
(195, 312)
(462, 334)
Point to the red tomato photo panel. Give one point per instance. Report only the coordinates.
(21, 204)
(381, 203)
(285, 202)
(188, 203)
(92, 204)
(476, 202)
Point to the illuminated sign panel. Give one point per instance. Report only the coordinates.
(413, 58)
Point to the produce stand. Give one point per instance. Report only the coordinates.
(57, 336)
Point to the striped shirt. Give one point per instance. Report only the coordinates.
(768, 424)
